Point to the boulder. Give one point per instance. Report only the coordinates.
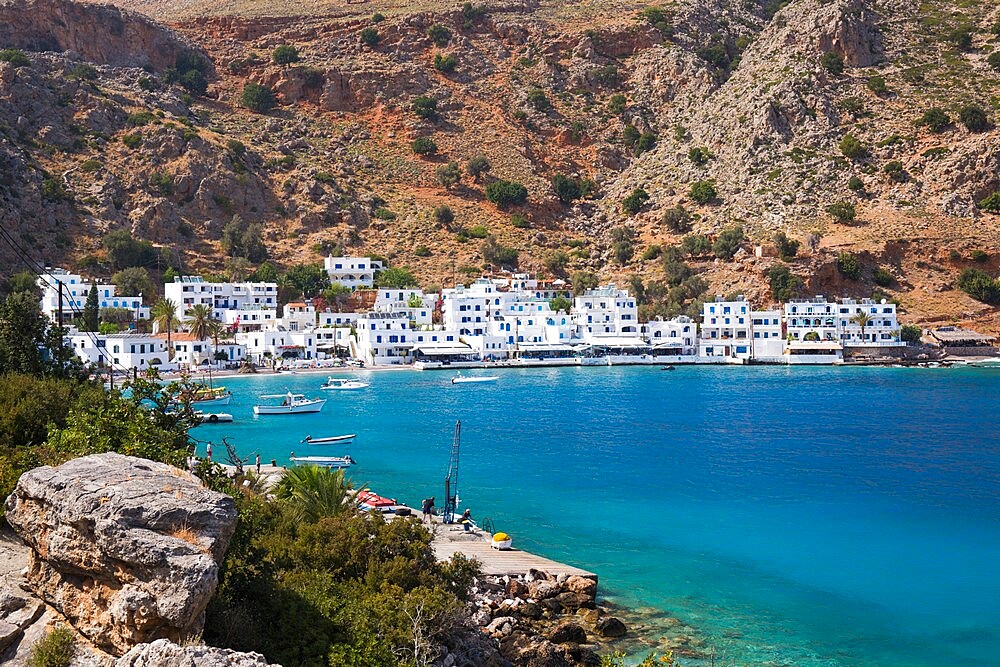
(568, 632)
(582, 585)
(609, 626)
(164, 653)
(126, 549)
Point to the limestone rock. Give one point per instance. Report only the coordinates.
(609, 626)
(125, 548)
(568, 632)
(164, 653)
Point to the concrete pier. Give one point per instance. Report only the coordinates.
(451, 539)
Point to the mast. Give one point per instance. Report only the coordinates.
(451, 481)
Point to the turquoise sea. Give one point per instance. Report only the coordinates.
(791, 516)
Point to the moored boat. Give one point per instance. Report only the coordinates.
(291, 404)
(463, 379)
(323, 461)
(349, 438)
(344, 384)
(212, 417)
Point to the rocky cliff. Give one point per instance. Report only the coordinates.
(754, 98)
(124, 551)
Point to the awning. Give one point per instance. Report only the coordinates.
(618, 341)
(814, 345)
(441, 351)
(545, 347)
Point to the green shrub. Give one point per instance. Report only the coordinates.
(978, 255)
(855, 183)
(974, 118)
(444, 63)
(443, 214)
(852, 148)
(55, 649)
(623, 243)
(383, 213)
(980, 286)
(285, 54)
(370, 37)
(162, 182)
(520, 221)
(909, 333)
(449, 174)
(377, 17)
(961, 38)
(833, 62)
(439, 34)
(133, 140)
(506, 193)
(882, 277)
(876, 84)
(842, 211)
(616, 104)
(677, 219)
(477, 166)
(15, 57)
(633, 203)
(257, 98)
(422, 251)
(699, 155)
(991, 203)
(425, 107)
(935, 119)
(53, 190)
(90, 166)
(424, 146)
(994, 60)
(140, 118)
(82, 72)
(784, 284)
(894, 169)
(954, 255)
(728, 242)
(652, 252)
(702, 192)
(849, 265)
(567, 189)
(497, 254)
(477, 232)
(787, 248)
(538, 100)
(696, 244)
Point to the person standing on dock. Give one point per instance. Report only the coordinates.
(466, 520)
(428, 509)
(208, 451)
(257, 463)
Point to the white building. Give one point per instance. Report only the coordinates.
(419, 306)
(75, 291)
(674, 337)
(353, 272)
(725, 329)
(297, 316)
(768, 338)
(264, 347)
(812, 332)
(251, 306)
(122, 350)
(606, 311)
(469, 310)
(881, 330)
(382, 338)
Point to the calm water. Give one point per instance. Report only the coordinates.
(807, 516)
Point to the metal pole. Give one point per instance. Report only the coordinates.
(60, 316)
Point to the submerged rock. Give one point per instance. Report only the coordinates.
(126, 549)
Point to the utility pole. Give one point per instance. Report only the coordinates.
(60, 316)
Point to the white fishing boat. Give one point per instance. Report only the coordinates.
(212, 417)
(349, 438)
(344, 384)
(291, 404)
(463, 379)
(323, 461)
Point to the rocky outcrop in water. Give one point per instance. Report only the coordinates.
(126, 549)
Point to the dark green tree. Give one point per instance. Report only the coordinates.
(91, 310)
(257, 98)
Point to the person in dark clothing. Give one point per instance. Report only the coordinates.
(466, 520)
(428, 509)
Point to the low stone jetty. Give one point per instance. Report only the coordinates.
(449, 540)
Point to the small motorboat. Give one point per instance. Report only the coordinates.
(213, 417)
(291, 404)
(463, 379)
(344, 383)
(349, 438)
(323, 461)
(668, 367)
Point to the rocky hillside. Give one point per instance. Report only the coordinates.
(757, 114)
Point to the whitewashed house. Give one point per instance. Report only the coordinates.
(122, 350)
(812, 333)
(353, 272)
(881, 330)
(297, 316)
(606, 311)
(75, 290)
(248, 306)
(768, 337)
(264, 347)
(673, 337)
(725, 330)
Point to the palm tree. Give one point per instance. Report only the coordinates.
(862, 319)
(165, 315)
(201, 321)
(312, 492)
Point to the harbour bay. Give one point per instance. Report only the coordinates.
(807, 516)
